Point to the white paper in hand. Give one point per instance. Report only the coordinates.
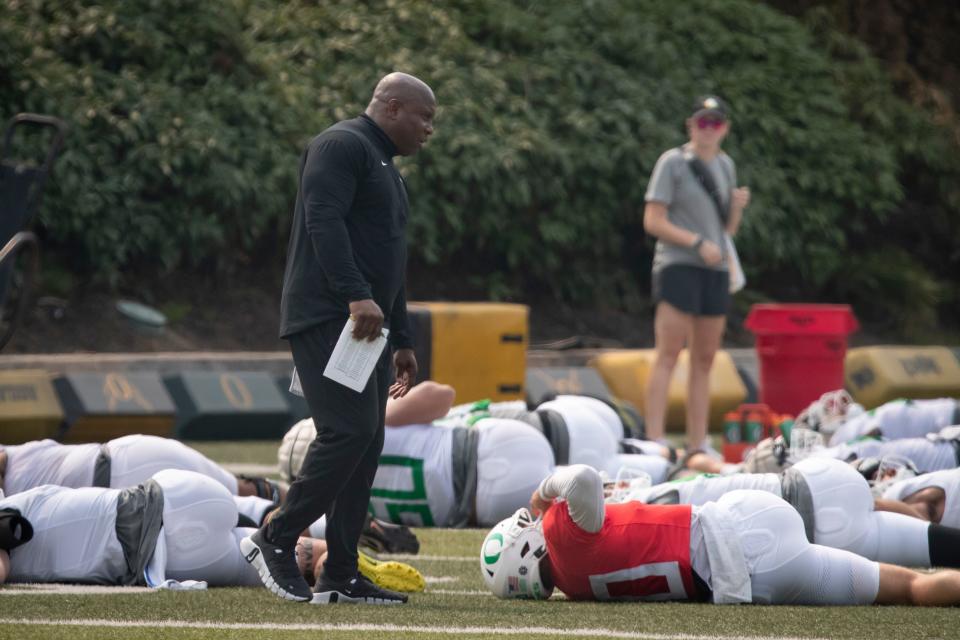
(352, 361)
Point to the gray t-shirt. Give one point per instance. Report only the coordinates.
(688, 205)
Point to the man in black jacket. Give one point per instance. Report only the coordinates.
(346, 258)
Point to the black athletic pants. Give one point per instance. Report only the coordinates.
(340, 464)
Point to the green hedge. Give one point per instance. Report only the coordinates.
(189, 117)
(177, 154)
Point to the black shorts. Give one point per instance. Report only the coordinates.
(693, 290)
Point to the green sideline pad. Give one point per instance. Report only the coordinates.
(220, 405)
(105, 405)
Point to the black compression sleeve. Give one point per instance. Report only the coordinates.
(944, 546)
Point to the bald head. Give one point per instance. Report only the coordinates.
(402, 87)
(403, 106)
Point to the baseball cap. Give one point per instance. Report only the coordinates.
(710, 105)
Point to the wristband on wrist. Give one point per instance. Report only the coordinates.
(696, 243)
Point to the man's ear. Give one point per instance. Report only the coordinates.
(393, 107)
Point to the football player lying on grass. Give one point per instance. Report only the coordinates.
(119, 463)
(174, 530)
(131, 460)
(836, 505)
(934, 497)
(470, 469)
(582, 430)
(841, 419)
(444, 476)
(749, 546)
(934, 452)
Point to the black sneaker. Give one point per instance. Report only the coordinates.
(357, 590)
(277, 568)
(384, 537)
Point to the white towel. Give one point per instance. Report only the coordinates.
(295, 387)
(184, 585)
(728, 568)
(155, 573)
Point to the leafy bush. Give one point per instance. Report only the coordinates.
(553, 115)
(174, 157)
(906, 263)
(189, 118)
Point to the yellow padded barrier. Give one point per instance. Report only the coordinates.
(627, 372)
(29, 407)
(875, 375)
(479, 348)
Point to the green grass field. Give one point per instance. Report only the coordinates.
(454, 605)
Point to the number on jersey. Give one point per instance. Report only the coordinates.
(654, 581)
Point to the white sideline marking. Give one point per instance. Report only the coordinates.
(478, 593)
(410, 556)
(461, 592)
(27, 589)
(440, 579)
(396, 628)
(250, 468)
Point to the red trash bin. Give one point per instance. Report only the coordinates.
(801, 348)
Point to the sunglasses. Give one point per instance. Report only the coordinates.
(710, 123)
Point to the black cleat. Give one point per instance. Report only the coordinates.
(384, 537)
(277, 568)
(357, 590)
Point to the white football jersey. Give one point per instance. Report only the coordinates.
(414, 482)
(74, 536)
(48, 462)
(927, 454)
(948, 480)
(601, 410)
(709, 488)
(899, 419)
(591, 442)
(134, 459)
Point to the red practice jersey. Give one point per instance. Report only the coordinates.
(642, 552)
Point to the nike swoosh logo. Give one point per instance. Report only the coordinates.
(383, 163)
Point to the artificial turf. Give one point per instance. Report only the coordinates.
(453, 603)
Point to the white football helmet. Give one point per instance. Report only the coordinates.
(628, 483)
(828, 412)
(510, 558)
(804, 443)
(947, 434)
(294, 447)
(891, 469)
(771, 455)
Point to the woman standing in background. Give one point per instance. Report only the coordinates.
(692, 201)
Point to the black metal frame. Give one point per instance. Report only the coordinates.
(21, 241)
(24, 240)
